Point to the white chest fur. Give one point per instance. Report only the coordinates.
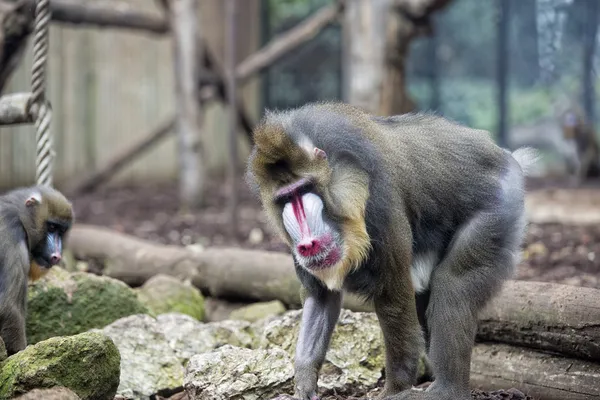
(421, 269)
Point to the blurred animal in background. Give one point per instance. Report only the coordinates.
(567, 138)
(582, 137)
(420, 215)
(33, 224)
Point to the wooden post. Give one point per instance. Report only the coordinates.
(502, 69)
(230, 60)
(364, 48)
(186, 48)
(590, 32)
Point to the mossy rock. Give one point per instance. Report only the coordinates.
(63, 303)
(164, 294)
(55, 393)
(88, 364)
(257, 311)
(149, 365)
(3, 353)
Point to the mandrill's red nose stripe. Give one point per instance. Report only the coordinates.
(309, 248)
(300, 215)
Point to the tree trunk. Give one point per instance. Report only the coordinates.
(502, 70)
(525, 59)
(375, 76)
(589, 49)
(364, 51)
(542, 376)
(186, 49)
(394, 98)
(232, 95)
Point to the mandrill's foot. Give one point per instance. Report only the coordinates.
(432, 393)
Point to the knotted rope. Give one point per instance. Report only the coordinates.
(40, 107)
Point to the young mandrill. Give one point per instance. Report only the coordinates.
(418, 214)
(33, 224)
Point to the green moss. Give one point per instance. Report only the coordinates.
(3, 353)
(88, 364)
(164, 294)
(67, 304)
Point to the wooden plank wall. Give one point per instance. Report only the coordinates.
(108, 88)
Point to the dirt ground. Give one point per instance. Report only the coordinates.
(554, 251)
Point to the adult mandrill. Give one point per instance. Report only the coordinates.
(33, 223)
(390, 207)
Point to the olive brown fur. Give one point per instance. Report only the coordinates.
(33, 225)
(431, 219)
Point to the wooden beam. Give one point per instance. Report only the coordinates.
(123, 158)
(118, 14)
(187, 40)
(113, 14)
(232, 95)
(288, 41)
(127, 156)
(14, 109)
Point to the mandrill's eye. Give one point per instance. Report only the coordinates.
(279, 166)
(52, 227)
(280, 170)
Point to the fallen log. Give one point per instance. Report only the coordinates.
(544, 316)
(226, 272)
(229, 273)
(541, 375)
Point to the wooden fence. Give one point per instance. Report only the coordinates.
(109, 88)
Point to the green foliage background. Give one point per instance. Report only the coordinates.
(544, 67)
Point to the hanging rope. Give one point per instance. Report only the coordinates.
(40, 107)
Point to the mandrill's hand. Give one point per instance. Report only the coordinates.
(306, 385)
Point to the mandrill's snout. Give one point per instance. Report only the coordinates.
(315, 247)
(55, 259)
(312, 237)
(308, 247)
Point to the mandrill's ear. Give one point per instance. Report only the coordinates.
(320, 154)
(34, 199)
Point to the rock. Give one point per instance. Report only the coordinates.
(163, 294)
(235, 373)
(3, 353)
(55, 393)
(87, 363)
(188, 337)
(356, 354)
(257, 311)
(63, 303)
(219, 309)
(148, 364)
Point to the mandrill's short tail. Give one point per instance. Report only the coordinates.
(527, 158)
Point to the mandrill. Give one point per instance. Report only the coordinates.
(33, 225)
(420, 215)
